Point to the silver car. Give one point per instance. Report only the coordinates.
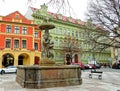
(9, 69)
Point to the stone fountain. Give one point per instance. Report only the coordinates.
(44, 76)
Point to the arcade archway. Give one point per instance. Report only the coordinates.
(8, 60)
(68, 59)
(23, 59)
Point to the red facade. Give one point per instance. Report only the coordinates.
(16, 19)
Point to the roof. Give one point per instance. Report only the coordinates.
(13, 15)
(16, 17)
(63, 18)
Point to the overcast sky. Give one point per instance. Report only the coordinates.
(9, 6)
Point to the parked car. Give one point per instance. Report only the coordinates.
(9, 69)
(97, 65)
(94, 64)
(116, 66)
(80, 64)
(90, 66)
(86, 66)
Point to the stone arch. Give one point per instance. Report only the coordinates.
(7, 59)
(23, 59)
(68, 59)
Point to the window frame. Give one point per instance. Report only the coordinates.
(24, 45)
(16, 29)
(7, 44)
(24, 30)
(16, 45)
(8, 28)
(35, 48)
(36, 34)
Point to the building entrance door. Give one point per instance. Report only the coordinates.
(76, 58)
(68, 59)
(20, 60)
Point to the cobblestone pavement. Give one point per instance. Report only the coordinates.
(110, 82)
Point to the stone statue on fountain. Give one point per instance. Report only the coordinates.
(47, 45)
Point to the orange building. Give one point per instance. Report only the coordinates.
(20, 41)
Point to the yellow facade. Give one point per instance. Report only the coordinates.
(29, 56)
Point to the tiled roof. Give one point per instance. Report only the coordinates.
(34, 9)
(64, 18)
(11, 15)
(20, 19)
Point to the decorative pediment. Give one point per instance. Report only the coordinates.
(42, 13)
(70, 18)
(59, 16)
(44, 9)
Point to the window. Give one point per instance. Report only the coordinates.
(17, 16)
(16, 43)
(76, 34)
(8, 29)
(73, 33)
(68, 32)
(79, 34)
(55, 31)
(24, 30)
(36, 34)
(64, 32)
(23, 43)
(56, 43)
(60, 31)
(8, 42)
(36, 46)
(17, 30)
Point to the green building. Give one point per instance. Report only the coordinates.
(66, 26)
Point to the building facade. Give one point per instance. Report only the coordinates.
(21, 38)
(20, 41)
(66, 26)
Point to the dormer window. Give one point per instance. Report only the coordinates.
(78, 20)
(70, 19)
(17, 16)
(59, 16)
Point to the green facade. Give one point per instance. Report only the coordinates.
(64, 28)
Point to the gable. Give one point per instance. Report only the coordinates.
(16, 15)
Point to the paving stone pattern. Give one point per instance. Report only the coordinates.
(110, 82)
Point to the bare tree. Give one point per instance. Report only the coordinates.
(70, 45)
(105, 16)
(58, 5)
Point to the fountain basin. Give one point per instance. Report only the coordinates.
(48, 76)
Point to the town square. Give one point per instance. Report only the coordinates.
(60, 45)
